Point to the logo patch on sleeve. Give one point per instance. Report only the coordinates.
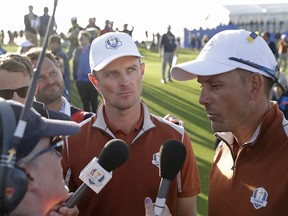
(156, 159)
(259, 198)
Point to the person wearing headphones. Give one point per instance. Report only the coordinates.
(34, 186)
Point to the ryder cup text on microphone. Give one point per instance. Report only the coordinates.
(95, 176)
(99, 171)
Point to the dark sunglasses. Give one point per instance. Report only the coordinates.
(56, 145)
(273, 73)
(8, 93)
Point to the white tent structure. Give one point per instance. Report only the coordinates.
(260, 17)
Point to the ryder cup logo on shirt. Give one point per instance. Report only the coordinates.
(259, 198)
(113, 43)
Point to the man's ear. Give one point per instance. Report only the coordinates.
(94, 81)
(257, 82)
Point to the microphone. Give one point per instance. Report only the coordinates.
(172, 156)
(99, 171)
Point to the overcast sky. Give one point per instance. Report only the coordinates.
(151, 15)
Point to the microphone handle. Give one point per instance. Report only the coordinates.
(161, 196)
(73, 200)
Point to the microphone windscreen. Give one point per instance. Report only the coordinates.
(172, 157)
(114, 154)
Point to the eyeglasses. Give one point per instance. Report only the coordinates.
(56, 145)
(273, 73)
(8, 93)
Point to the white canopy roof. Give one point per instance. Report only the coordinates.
(258, 12)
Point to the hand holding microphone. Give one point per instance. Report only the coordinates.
(149, 208)
(99, 171)
(172, 157)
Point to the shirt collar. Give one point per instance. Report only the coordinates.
(66, 108)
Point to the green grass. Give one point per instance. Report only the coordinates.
(181, 100)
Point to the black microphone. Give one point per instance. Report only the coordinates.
(172, 157)
(113, 155)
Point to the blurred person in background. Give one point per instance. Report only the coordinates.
(81, 68)
(107, 27)
(43, 25)
(19, 69)
(50, 86)
(92, 28)
(282, 46)
(54, 44)
(271, 44)
(72, 36)
(280, 94)
(167, 51)
(31, 22)
(2, 50)
(24, 47)
(126, 30)
(60, 65)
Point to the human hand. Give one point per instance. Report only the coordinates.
(149, 208)
(173, 119)
(65, 211)
(59, 210)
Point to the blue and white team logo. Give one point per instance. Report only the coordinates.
(259, 198)
(96, 176)
(156, 159)
(113, 43)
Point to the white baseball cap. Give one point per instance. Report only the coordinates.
(26, 43)
(228, 50)
(111, 46)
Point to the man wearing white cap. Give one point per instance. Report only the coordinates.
(236, 70)
(24, 47)
(117, 73)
